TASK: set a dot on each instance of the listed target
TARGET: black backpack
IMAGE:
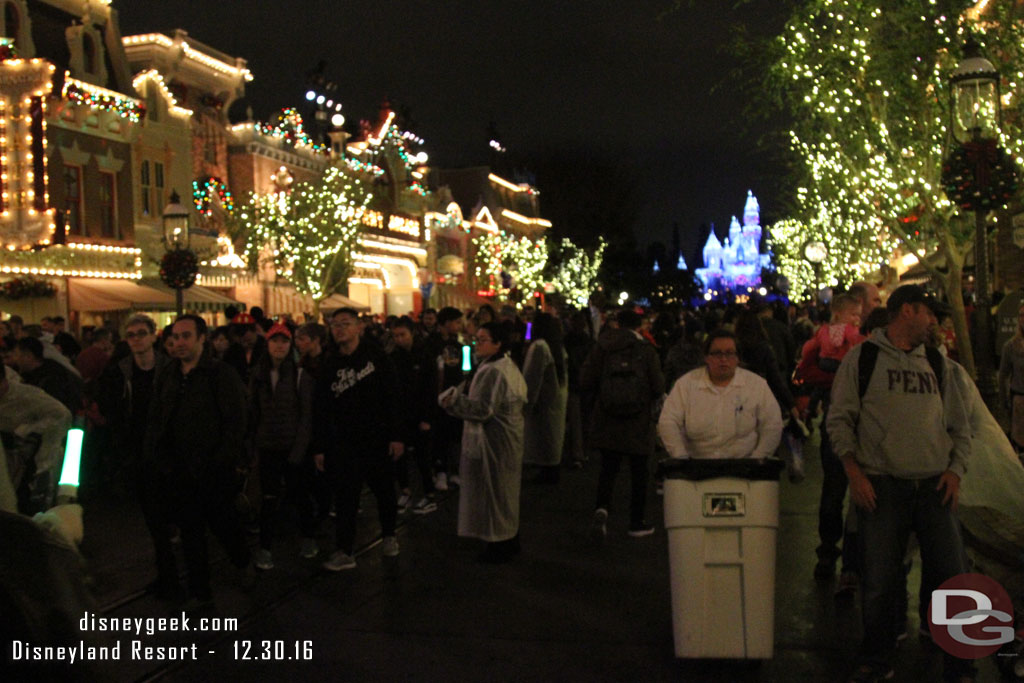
(869, 358)
(625, 389)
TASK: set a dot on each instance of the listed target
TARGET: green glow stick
(467, 360)
(72, 458)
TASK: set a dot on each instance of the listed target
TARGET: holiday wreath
(178, 268)
(979, 176)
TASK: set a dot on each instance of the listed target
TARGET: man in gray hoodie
(903, 440)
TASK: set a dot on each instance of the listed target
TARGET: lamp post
(815, 252)
(978, 178)
(179, 266)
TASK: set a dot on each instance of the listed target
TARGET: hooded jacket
(906, 425)
(633, 434)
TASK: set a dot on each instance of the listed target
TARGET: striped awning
(107, 294)
(336, 301)
(197, 299)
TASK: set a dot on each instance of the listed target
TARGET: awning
(196, 298)
(336, 301)
(109, 294)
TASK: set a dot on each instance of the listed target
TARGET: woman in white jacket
(492, 446)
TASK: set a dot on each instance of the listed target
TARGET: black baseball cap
(914, 294)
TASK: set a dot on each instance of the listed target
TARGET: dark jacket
(57, 381)
(281, 416)
(117, 403)
(235, 357)
(634, 434)
(414, 389)
(782, 343)
(759, 358)
(577, 346)
(197, 421)
(355, 406)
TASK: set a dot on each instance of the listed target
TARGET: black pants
(195, 505)
(282, 479)
(830, 508)
(610, 461)
(347, 474)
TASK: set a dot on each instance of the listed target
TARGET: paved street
(563, 611)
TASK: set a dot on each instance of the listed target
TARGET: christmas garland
(27, 288)
(202, 195)
(979, 175)
(178, 268)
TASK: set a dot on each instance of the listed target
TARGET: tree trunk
(953, 284)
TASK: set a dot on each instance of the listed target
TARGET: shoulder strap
(866, 366)
(937, 362)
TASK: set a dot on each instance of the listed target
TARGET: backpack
(625, 389)
(869, 357)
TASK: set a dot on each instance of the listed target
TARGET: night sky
(628, 84)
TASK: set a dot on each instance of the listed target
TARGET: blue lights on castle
(735, 265)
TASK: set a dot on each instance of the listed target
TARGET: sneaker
(338, 561)
(389, 546)
(640, 530)
(309, 548)
(847, 587)
(264, 560)
(424, 507)
(599, 529)
(869, 674)
(404, 501)
(454, 480)
(825, 569)
(441, 482)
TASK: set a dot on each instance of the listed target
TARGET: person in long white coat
(547, 383)
(491, 462)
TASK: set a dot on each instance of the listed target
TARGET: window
(88, 53)
(144, 184)
(73, 200)
(12, 21)
(158, 187)
(108, 206)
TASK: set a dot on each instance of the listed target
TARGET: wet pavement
(564, 610)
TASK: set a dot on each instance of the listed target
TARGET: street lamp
(815, 252)
(978, 176)
(179, 266)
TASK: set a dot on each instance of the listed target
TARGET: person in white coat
(491, 462)
(721, 410)
(547, 382)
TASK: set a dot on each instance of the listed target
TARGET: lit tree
(575, 275)
(307, 233)
(866, 83)
(521, 258)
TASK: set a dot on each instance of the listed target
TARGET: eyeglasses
(136, 335)
(729, 355)
(483, 340)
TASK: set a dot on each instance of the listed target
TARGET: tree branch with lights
(867, 85)
(307, 233)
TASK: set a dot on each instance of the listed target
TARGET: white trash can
(722, 517)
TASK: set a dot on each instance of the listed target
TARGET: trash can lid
(699, 469)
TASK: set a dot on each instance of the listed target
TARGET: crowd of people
(189, 420)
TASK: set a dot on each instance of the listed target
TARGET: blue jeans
(902, 506)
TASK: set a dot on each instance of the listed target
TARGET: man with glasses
(124, 394)
(357, 434)
(720, 410)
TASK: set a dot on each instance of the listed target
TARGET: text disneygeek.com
(136, 648)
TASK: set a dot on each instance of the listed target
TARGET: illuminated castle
(736, 264)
